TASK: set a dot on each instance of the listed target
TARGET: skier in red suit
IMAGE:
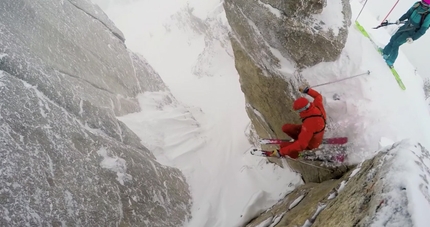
(310, 133)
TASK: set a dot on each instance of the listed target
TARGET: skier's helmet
(301, 104)
(426, 2)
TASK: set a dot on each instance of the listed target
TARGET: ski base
(333, 141)
(306, 155)
(393, 71)
(396, 75)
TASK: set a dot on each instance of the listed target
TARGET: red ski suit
(309, 134)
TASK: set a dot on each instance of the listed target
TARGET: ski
(393, 71)
(310, 156)
(334, 141)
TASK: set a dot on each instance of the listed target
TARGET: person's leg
(388, 48)
(291, 153)
(292, 130)
(400, 40)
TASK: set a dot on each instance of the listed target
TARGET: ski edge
(339, 158)
(332, 141)
(393, 71)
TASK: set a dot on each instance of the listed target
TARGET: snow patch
(332, 17)
(308, 223)
(265, 223)
(277, 219)
(115, 164)
(295, 202)
(355, 171)
(405, 199)
(271, 9)
(385, 142)
(342, 185)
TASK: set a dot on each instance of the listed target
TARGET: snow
(331, 196)
(355, 171)
(277, 219)
(417, 52)
(275, 11)
(332, 17)
(342, 186)
(308, 222)
(384, 142)
(115, 164)
(203, 132)
(406, 192)
(371, 107)
(295, 202)
(265, 223)
(216, 176)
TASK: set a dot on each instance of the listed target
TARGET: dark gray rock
(66, 159)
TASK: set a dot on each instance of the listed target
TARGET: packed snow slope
(204, 133)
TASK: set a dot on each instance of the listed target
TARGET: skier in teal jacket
(416, 25)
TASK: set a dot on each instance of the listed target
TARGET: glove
(409, 40)
(304, 89)
(398, 22)
(274, 153)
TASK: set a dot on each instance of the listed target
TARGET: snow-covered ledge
(390, 189)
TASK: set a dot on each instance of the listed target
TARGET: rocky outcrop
(65, 75)
(273, 40)
(318, 171)
(381, 191)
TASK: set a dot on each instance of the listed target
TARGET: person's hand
(304, 89)
(409, 40)
(398, 22)
(274, 153)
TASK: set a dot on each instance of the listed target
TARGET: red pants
(293, 132)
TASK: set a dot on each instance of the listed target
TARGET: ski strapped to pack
(317, 115)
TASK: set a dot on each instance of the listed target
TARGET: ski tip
(253, 151)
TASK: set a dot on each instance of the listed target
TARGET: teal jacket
(414, 15)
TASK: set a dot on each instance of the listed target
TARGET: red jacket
(312, 129)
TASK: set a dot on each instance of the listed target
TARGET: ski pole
(386, 23)
(364, 5)
(335, 81)
(390, 11)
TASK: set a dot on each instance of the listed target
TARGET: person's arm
(423, 29)
(318, 99)
(408, 13)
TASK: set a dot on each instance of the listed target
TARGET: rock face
(65, 75)
(317, 171)
(379, 192)
(273, 40)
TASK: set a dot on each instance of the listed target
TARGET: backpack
(423, 16)
(319, 115)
